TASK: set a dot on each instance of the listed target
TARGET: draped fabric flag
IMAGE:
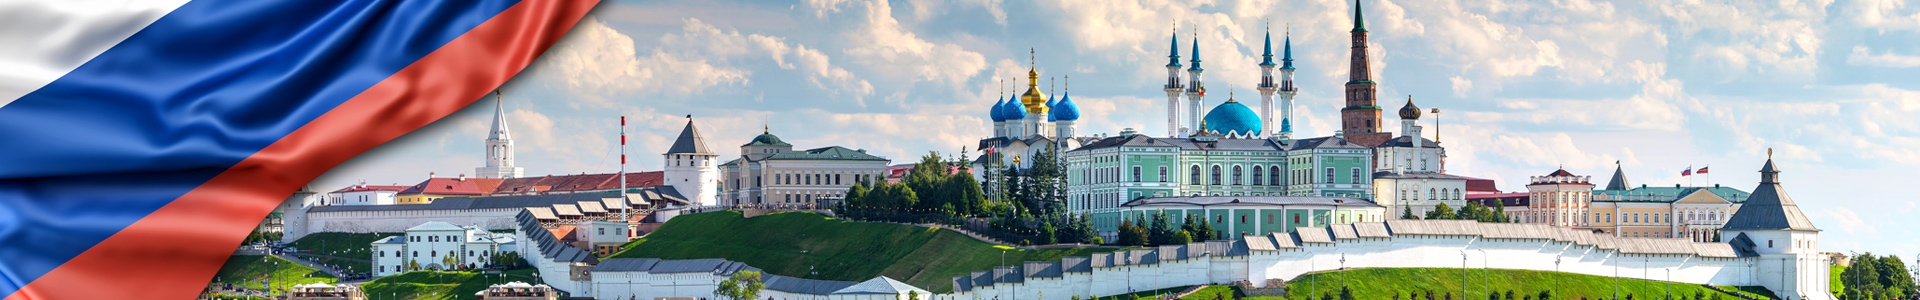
(143, 140)
(1687, 171)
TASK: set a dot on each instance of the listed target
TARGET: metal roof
(1042, 269)
(436, 226)
(1769, 208)
(592, 207)
(880, 286)
(804, 286)
(565, 210)
(690, 141)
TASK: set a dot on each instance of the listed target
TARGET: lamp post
(1463, 274)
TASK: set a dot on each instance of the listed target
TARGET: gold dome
(1035, 101)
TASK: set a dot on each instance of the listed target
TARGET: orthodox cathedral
(1027, 125)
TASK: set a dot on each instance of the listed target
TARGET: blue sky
(1524, 86)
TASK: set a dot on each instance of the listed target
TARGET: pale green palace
(1105, 174)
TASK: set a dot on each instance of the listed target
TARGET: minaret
(1267, 87)
(1287, 90)
(1361, 115)
(499, 146)
(1195, 92)
(1174, 88)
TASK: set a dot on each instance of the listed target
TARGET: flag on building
(1687, 171)
(147, 138)
(1703, 170)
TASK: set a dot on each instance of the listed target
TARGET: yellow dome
(1035, 101)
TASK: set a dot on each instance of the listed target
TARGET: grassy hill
(791, 243)
(248, 270)
(438, 285)
(1385, 283)
(354, 245)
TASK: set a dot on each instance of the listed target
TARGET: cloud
(882, 44)
(1849, 221)
(596, 62)
(1862, 57)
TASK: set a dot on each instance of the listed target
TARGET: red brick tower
(1360, 120)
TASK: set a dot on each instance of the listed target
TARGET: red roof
(1561, 172)
(579, 182)
(454, 186)
(362, 188)
(1480, 185)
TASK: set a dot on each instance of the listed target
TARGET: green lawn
(248, 270)
(1386, 283)
(791, 243)
(438, 285)
(350, 245)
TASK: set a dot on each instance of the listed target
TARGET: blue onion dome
(1286, 125)
(1051, 102)
(994, 112)
(1012, 110)
(1233, 118)
(1065, 110)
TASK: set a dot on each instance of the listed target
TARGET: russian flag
(140, 141)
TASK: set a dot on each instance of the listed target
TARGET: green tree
(1545, 295)
(743, 285)
(1182, 238)
(1441, 212)
(1406, 213)
(1346, 293)
(1047, 232)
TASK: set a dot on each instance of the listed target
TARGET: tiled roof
(578, 183)
(651, 194)
(454, 186)
(826, 153)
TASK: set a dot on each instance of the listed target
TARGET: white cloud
(1861, 56)
(595, 62)
(1849, 221)
(882, 44)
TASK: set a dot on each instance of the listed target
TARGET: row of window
(1432, 194)
(431, 238)
(431, 253)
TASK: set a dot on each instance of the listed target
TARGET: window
(603, 231)
(382, 253)
(1256, 176)
(1275, 171)
(435, 253)
(1269, 218)
(416, 254)
(1236, 175)
(1163, 174)
(1194, 176)
(1329, 176)
(1243, 220)
(1136, 173)
(1356, 176)
(1216, 175)
(1430, 194)
(1296, 219)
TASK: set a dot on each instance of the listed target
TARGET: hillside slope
(793, 243)
(1384, 283)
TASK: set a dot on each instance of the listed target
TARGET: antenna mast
(626, 207)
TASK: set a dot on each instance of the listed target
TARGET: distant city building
(769, 171)
(1559, 199)
(435, 188)
(499, 162)
(429, 246)
(603, 237)
(1565, 199)
(1025, 126)
(1113, 171)
(1410, 172)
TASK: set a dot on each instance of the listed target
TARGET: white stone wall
(304, 222)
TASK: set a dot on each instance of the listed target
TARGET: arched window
(1275, 172)
(1194, 177)
(1236, 175)
(1430, 193)
(1257, 180)
(1216, 175)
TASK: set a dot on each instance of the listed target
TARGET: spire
(1286, 59)
(1230, 93)
(1196, 51)
(1173, 55)
(1267, 55)
(1619, 181)
(1359, 24)
(499, 119)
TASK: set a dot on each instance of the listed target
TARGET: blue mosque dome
(1233, 118)
(1013, 110)
(1065, 110)
(994, 112)
(1050, 107)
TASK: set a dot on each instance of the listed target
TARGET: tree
(1182, 238)
(1441, 212)
(913, 295)
(1510, 295)
(1047, 232)
(1406, 213)
(1346, 293)
(744, 285)
(1545, 295)
(1160, 232)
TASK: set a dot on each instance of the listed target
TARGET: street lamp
(1463, 273)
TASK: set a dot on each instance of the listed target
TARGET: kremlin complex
(1283, 202)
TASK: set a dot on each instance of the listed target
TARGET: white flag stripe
(40, 41)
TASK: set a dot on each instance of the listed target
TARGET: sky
(1524, 87)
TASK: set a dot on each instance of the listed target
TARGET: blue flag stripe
(195, 92)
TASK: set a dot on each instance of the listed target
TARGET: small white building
(429, 245)
(363, 194)
(603, 237)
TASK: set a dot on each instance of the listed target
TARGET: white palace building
(1767, 243)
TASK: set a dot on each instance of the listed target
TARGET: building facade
(1233, 217)
(1110, 172)
(692, 169)
(363, 194)
(769, 171)
(438, 246)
